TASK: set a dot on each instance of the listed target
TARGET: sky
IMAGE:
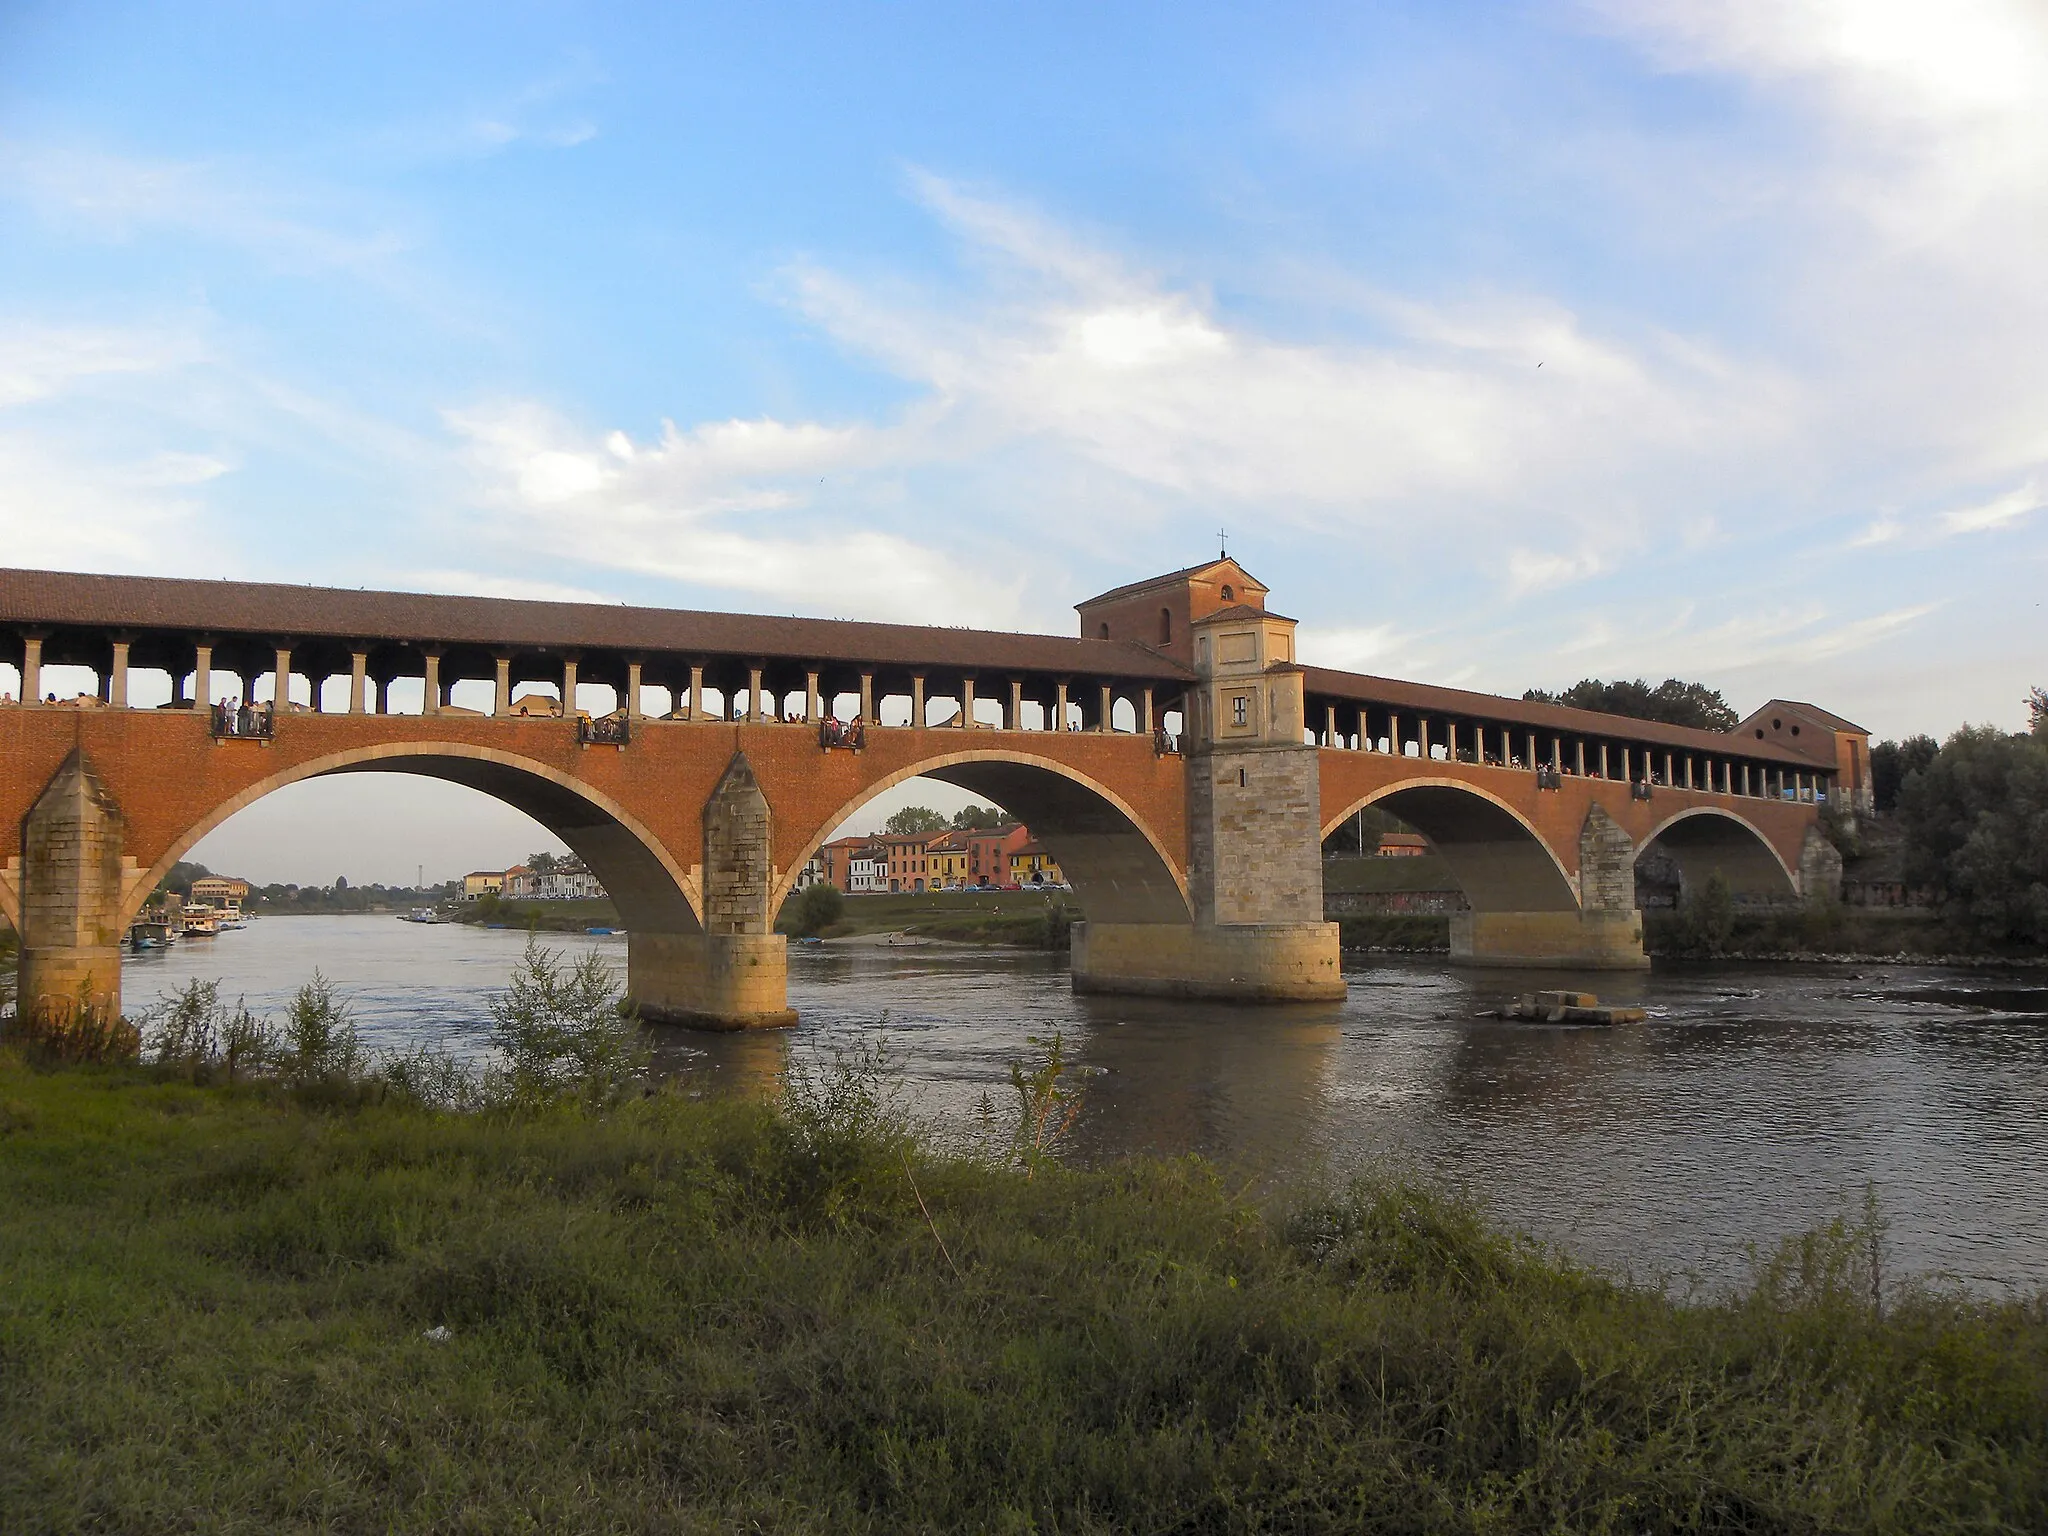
(1507, 344)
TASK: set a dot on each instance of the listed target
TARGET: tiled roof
(1813, 712)
(64, 598)
(1423, 698)
(1171, 578)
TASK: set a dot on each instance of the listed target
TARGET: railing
(254, 722)
(606, 731)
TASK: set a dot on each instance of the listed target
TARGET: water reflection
(1754, 1103)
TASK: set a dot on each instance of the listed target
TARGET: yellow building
(222, 891)
(1032, 865)
(947, 862)
(483, 882)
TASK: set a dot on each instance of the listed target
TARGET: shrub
(321, 1049)
(1707, 917)
(818, 907)
(76, 1031)
(563, 1034)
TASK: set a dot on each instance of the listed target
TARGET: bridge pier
(1568, 940)
(1603, 933)
(735, 973)
(1255, 869)
(72, 878)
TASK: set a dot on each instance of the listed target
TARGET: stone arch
(652, 891)
(1706, 838)
(1120, 868)
(1500, 861)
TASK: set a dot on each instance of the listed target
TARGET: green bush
(562, 1034)
(818, 907)
(1976, 824)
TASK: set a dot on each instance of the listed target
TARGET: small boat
(1564, 1008)
(422, 915)
(601, 933)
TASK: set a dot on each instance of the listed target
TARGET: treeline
(301, 900)
(1973, 814)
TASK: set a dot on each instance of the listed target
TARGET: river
(1757, 1101)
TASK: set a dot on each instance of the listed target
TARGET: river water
(1757, 1101)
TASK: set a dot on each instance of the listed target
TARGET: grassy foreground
(220, 1310)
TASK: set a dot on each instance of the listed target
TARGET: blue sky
(1512, 343)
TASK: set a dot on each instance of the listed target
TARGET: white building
(867, 871)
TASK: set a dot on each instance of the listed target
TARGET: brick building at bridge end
(1177, 759)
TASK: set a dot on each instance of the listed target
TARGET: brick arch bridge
(1183, 773)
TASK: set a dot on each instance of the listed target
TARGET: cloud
(1879, 531)
(1999, 512)
(1530, 571)
(714, 506)
(39, 361)
(120, 197)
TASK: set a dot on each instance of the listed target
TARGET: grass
(539, 916)
(1875, 932)
(223, 1309)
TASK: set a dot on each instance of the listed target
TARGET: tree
(818, 908)
(2037, 710)
(542, 863)
(970, 818)
(1672, 701)
(1976, 823)
(341, 882)
(1892, 763)
(913, 819)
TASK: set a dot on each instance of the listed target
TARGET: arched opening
(645, 883)
(1166, 626)
(1496, 858)
(1118, 868)
(1683, 853)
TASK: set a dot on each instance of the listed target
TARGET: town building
(520, 884)
(1031, 865)
(817, 871)
(223, 891)
(483, 882)
(1825, 739)
(907, 860)
(1402, 845)
(946, 862)
(988, 853)
(867, 870)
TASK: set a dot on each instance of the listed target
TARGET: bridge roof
(1424, 698)
(72, 600)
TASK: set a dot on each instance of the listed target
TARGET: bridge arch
(1121, 868)
(1703, 839)
(652, 891)
(1500, 861)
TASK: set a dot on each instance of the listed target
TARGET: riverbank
(1018, 919)
(1828, 936)
(220, 1308)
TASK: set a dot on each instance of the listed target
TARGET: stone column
(754, 694)
(966, 720)
(358, 678)
(812, 711)
(1532, 749)
(916, 703)
(501, 695)
(1688, 771)
(1579, 746)
(31, 669)
(1364, 729)
(383, 695)
(71, 889)
(1103, 721)
(1060, 710)
(633, 690)
(1451, 741)
(202, 676)
(281, 683)
(430, 695)
(569, 687)
(1669, 777)
(1603, 759)
(1329, 725)
(117, 676)
(1393, 733)
(1145, 712)
(1013, 711)
(867, 699)
(1422, 736)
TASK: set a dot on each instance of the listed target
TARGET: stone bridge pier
(1601, 931)
(73, 880)
(1255, 877)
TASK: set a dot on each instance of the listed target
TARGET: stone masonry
(71, 890)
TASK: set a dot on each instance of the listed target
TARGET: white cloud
(38, 361)
(1879, 531)
(714, 506)
(1531, 571)
(1999, 512)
